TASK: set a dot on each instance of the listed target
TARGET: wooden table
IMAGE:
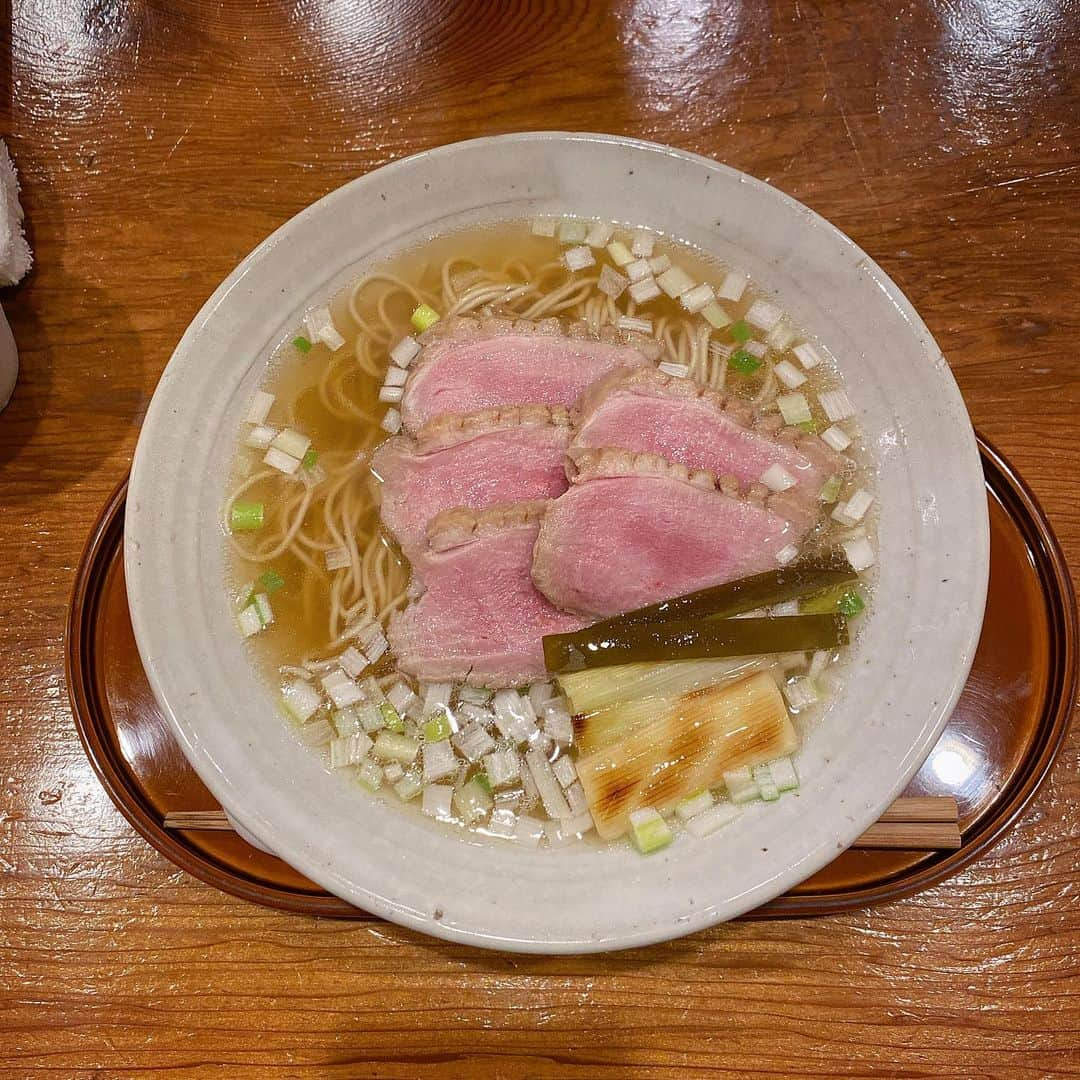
(158, 144)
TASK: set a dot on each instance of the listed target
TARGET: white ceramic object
(911, 661)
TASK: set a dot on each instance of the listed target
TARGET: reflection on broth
(574, 422)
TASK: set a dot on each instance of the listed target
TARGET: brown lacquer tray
(995, 752)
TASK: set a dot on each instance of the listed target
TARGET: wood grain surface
(158, 143)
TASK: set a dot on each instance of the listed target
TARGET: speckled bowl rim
(421, 875)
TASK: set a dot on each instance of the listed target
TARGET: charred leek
(587, 691)
(798, 579)
(688, 747)
(595, 647)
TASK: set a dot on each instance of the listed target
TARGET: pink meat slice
(648, 412)
(477, 365)
(498, 456)
(480, 618)
(634, 529)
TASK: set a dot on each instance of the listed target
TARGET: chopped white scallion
(528, 831)
(292, 443)
(502, 823)
(400, 695)
(715, 316)
(705, 824)
(546, 785)
(820, 661)
(733, 286)
(859, 553)
(391, 422)
(317, 733)
(502, 767)
(370, 775)
(558, 724)
(337, 558)
(642, 242)
(320, 327)
(780, 336)
(572, 231)
(259, 409)
(392, 746)
(474, 695)
(437, 697)
(788, 553)
(408, 787)
(620, 253)
(659, 263)
(540, 694)
(755, 348)
(800, 692)
(698, 298)
(777, 478)
(342, 690)
(300, 699)
(405, 351)
(611, 282)
(248, 620)
(261, 604)
(600, 234)
(544, 226)
(439, 760)
(576, 798)
(837, 405)
(372, 691)
(789, 374)
(649, 830)
(371, 717)
(395, 376)
(393, 772)
(675, 281)
(475, 713)
(630, 322)
(766, 785)
(564, 771)
(807, 355)
(436, 802)
(783, 774)
(346, 721)
(576, 825)
(678, 371)
(763, 315)
(514, 716)
(473, 742)
(391, 395)
(638, 270)
(353, 662)
(794, 408)
(694, 805)
(641, 292)
(578, 258)
(278, 459)
(260, 437)
(859, 503)
(350, 750)
(740, 784)
(836, 437)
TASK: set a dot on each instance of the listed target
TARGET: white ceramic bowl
(912, 657)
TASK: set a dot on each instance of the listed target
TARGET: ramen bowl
(909, 662)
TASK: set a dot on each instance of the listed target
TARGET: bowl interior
(909, 663)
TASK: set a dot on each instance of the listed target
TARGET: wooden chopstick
(927, 823)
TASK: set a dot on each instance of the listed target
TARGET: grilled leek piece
(689, 746)
(595, 688)
(593, 647)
